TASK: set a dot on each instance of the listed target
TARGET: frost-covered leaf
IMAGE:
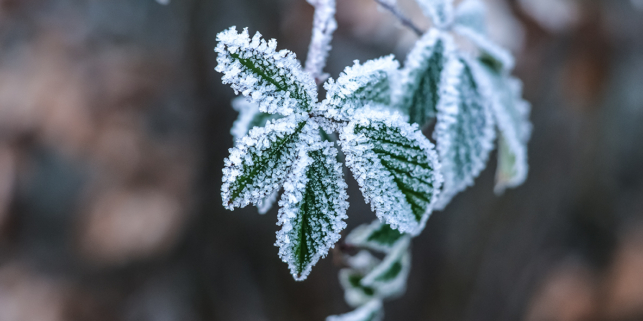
(470, 22)
(261, 160)
(440, 11)
(512, 116)
(500, 57)
(370, 278)
(395, 165)
(359, 85)
(375, 236)
(272, 79)
(355, 293)
(313, 207)
(471, 14)
(420, 84)
(249, 117)
(371, 311)
(464, 131)
(388, 278)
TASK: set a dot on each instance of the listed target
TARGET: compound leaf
(395, 165)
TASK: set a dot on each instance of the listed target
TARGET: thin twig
(324, 25)
(400, 16)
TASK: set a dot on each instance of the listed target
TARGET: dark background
(114, 127)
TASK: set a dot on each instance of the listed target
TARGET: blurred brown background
(114, 127)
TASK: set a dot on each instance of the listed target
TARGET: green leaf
(388, 278)
(313, 207)
(421, 82)
(274, 80)
(261, 160)
(395, 165)
(354, 293)
(375, 236)
(512, 116)
(464, 132)
(359, 85)
(371, 311)
(250, 117)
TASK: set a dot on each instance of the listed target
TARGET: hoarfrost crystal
(395, 165)
(272, 79)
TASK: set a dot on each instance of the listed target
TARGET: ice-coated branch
(324, 24)
(404, 20)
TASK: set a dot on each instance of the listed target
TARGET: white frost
(464, 131)
(280, 87)
(324, 25)
(269, 176)
(313, 205)
(377, 183)
(359, 85)
(512, 117)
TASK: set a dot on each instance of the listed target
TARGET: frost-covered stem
(400, 16)
(324, 24)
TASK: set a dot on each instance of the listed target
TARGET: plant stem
(400, 16)
(324, 25)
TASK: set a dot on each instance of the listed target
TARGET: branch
(324, 25)
(391, 7)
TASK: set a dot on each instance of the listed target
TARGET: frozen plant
(374, 112)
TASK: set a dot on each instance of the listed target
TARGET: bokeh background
(114, 127)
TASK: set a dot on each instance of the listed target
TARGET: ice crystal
(371, 311)
(359, 85)
(266, 203)
(260, 161)
(464, 131)
(249, 117)
(395, 165)
(324, 25)
(313, 207)
(272, 79)
(421, 86)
